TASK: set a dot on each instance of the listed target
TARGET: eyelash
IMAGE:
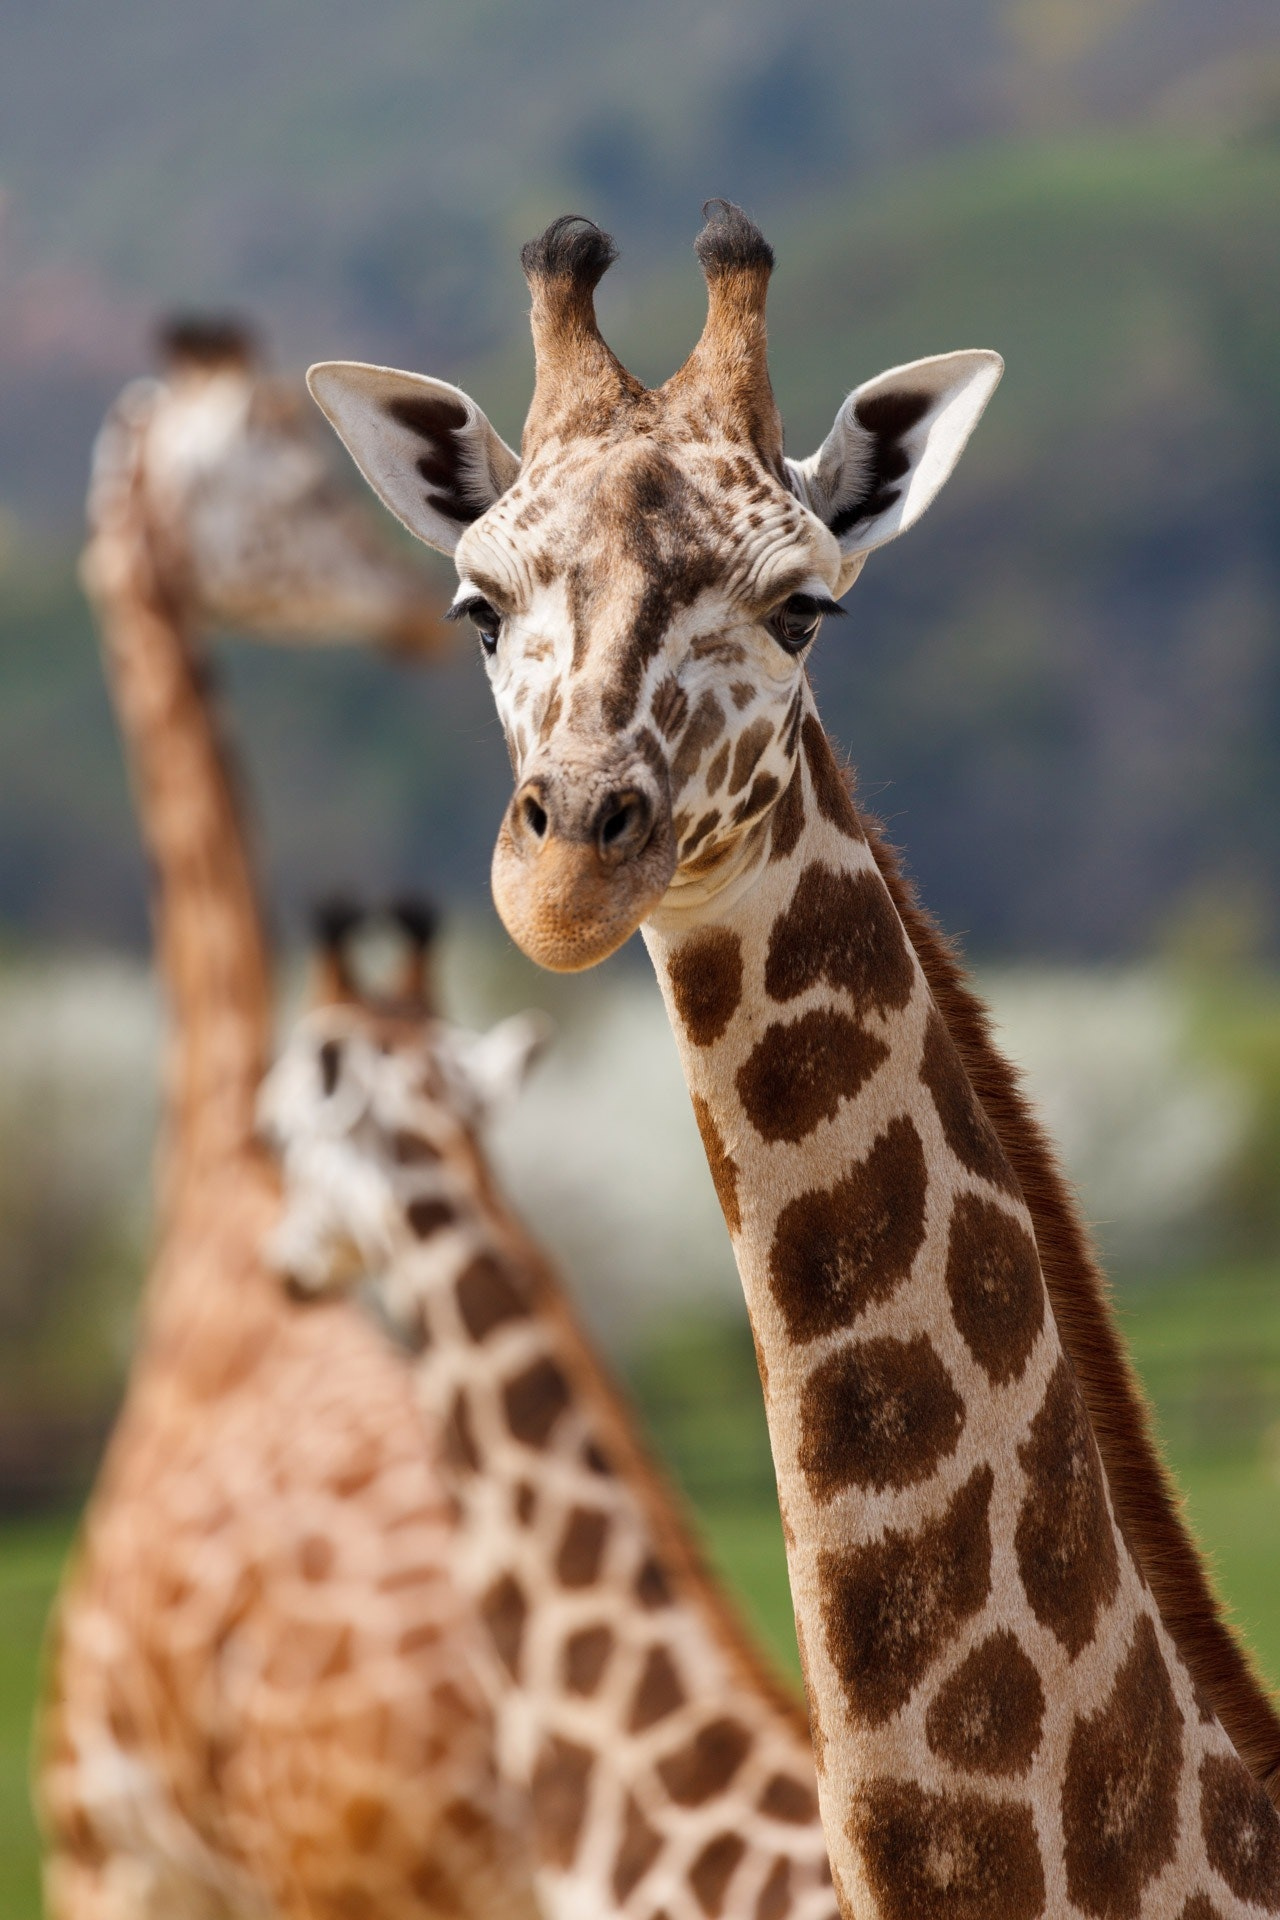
(806, 611)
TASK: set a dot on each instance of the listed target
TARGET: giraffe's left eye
(795, 622)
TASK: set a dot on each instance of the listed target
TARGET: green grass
(31, 1555)
(1208, 1348)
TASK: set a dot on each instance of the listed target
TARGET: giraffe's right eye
(484, 617)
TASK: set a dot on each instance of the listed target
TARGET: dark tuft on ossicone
(334, 920)
(572, 248)
(417, 917)
(205, 340)
(730, 240)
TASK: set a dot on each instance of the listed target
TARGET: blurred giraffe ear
(425, 447)
(892, 446)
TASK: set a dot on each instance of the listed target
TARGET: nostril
(616, 823)
(535, 817)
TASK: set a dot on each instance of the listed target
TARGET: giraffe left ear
(892, 446)
(425, 447)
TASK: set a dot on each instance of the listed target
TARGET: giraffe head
(212, 477)
(376, 1107)
(647, 576)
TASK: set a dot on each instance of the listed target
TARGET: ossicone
(572, 249)
(731, 242)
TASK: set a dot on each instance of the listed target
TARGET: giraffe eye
(795, 622)
(484, 617)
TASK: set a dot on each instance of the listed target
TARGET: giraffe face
(646, 576)
(357, 1107)
(645, 610)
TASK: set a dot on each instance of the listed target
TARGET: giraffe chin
(567, 912)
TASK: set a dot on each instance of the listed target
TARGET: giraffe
(664, 1770)
(261, 1698)
(1023, 1696)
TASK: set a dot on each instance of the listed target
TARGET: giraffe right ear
(425, 447)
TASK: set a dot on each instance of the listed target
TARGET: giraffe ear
(425, 447)
(496, 1064)
(892, 446)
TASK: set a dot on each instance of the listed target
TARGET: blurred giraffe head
(210, 487)
(647, 575)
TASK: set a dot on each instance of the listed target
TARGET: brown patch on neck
(1146, 1505)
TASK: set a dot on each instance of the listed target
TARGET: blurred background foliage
(1063, 692)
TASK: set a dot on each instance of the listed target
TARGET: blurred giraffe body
(261, 1697)
(667, 1775)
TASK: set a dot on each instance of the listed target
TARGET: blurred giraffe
(260, 1699)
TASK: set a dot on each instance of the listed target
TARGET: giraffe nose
(619, 825)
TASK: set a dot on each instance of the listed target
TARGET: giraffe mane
(1148, 1509)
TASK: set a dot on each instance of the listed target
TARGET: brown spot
(534, 1401)
(414, 1640)
(639, 1849)
(487, 1296)
(993, 1278)
(967, 1130)
(659, 1691)
(412, 1149)
(458, 1442)
(840, 929)
(724, 1169)
(526, 1501)
(596, 1460)
(742, 693)
(829, 788)
(836, 1250)
(1241, 1833)
(798, 1072)
(429, 1879)
(706, 982)
(669, 707)
(581, 1547)
(561, 1778)
(1120, 1790)
(504, 1610)
(947, 1856)
(714, 1868)
(987, 1717)
(707, 824)
(704, 728)
(363, 1819)
(652, 1589)
(1065, 1545)
(718, 769)
(1199, 1907)
(752, 742)
(315, 1556)
(429, 1216)
(586, 1654)
(893, 1604)
(880, 1413)
(775, 1895)
(550, 715)
(705, 1764)
(764, 791)
(788, 818)
(789, 1799)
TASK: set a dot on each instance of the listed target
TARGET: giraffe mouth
(573, 882)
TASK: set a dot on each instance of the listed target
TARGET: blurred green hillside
(1063, 690)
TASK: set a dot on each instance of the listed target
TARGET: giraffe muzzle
(579, 864)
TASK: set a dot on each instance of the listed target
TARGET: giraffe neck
(667, 1772)
(1000, 1713)
(212, 953)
